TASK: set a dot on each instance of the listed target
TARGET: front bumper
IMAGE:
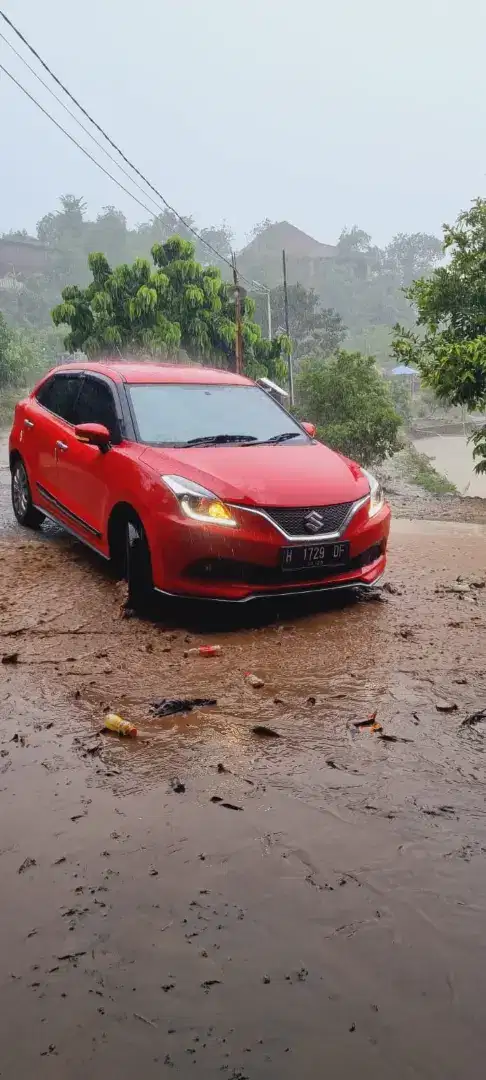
(217, 563)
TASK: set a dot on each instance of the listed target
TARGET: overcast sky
(324, 113)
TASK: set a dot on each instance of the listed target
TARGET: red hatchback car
(195, 481)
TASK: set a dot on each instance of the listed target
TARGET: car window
(59, 395)
(176, 414)
(96, 405)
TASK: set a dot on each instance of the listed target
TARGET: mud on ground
(325, 915)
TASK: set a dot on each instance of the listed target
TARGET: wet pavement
(312, 903)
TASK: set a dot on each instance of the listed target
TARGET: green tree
(24, 354)
(5, 340)
(449, 347)
(176, 304)
(314, 329)
(350, 401)
(411, 255)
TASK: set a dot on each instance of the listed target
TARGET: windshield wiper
(213, 440)
(284, 435)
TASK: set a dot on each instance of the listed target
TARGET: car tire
(22, 505)
(141, 595)
(131, 560)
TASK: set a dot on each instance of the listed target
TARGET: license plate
(311, 556)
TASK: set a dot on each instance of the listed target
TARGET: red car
(195, 481)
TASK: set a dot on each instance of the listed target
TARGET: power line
(73, 140)
(78, 121)
(113, 145)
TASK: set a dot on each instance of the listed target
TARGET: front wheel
(141, 594)
(22, 504)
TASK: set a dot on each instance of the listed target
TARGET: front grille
(232, 570)
(293, 520)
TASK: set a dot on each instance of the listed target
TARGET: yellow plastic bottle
(112, 722)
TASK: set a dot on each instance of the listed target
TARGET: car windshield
(206, 414)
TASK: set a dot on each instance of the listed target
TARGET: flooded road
(312, 903)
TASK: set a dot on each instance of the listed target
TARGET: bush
(351, 403)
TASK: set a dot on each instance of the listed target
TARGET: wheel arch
(121, 513)
(13, 457)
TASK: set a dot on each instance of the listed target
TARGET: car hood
(304, 475)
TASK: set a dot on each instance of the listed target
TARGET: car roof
(132, 372)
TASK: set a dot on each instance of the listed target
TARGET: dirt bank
(332, 924)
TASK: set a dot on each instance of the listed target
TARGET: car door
(83, 471)
(47, 422)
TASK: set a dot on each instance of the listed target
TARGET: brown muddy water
(452, 456)
(326, 915)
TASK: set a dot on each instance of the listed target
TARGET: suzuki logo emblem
(313, 521)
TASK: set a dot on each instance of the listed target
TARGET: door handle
(29, 423)
(61, 446)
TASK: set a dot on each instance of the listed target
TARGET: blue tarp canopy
(403, 370)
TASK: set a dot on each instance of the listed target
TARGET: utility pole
(239, 339)
(287, 331)
(269, 315)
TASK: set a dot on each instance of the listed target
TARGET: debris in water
(265, 731)
(474, 718)
(254, 680)
(231, 806)
(392, 589)
(73, 957)
(169, 706)
(26, 865)
(113, 722)
(392, 738)
(209, 983)
(446, 706)
(91, 749)
(176, 785)
(144, 1019)
(370, 722)
(204, 650)
(371, 594)
(216, 798)
(460, 588)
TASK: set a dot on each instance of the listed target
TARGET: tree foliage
(350, 401)
(25, 354)
(162, 308)
(360, 281)
(314, 330)
(449, 346)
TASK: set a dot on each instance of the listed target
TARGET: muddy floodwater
(205, 900)
(452, 456)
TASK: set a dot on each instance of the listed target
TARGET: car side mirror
(94, 434)
(309, 428)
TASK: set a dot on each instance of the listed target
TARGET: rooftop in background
(132, 372)
(282, 235)
(401, 369)
(19, 256)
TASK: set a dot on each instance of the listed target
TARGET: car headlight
(198, 503)
(377, 498)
